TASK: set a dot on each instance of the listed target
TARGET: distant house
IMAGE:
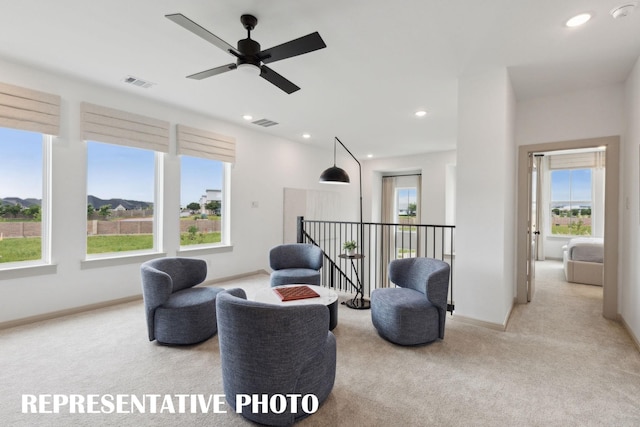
(210, 196)
(120, 208)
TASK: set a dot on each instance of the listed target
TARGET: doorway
(525, 280)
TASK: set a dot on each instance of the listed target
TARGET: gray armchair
(414, 312)
(176, 311)
(295, 263)
(271, 349)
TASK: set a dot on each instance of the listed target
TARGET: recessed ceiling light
(421, 113)
(247, 117)
(306, 135)
(578, 20)
(369, 155)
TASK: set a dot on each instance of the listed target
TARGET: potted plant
(350, 247)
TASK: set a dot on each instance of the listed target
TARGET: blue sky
(135, 179)
(113, 171)
(198, 175)
(406, 196)
(20, 164)
(571, 185)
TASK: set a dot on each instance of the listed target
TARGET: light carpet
(559, 363)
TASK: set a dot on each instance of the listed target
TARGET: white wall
(485, 203)
(432, 166)
(629, 286)
(575, 115)
(257, 175)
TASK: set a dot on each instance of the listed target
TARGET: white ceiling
(384, 59)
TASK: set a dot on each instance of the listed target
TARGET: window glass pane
(21, 176)
(120, 198)
(201, 198)
(406, 202)
(571, 202)
(406, 208)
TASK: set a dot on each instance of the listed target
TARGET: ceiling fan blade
(196, 29)
(212, 72)
(272, 77)
(296, 47)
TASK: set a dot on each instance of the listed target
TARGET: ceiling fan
(248, 54)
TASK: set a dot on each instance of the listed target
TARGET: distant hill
(23, 202)
(96, 202)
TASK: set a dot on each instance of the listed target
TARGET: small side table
(327, 297)
(355, 302)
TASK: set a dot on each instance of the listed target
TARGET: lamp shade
(334, 175)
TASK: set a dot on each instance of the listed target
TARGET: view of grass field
(22, 249)
(28, 248)
(573, 230)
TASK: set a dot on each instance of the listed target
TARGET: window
(120, 198)
(124, 170)
(205, 169)
(201, 201)
(28, 118)
(23, 196)
(571, 202)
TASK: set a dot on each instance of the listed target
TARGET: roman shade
(577, 160)
(201, 143)
(29, 110)
(112, 126)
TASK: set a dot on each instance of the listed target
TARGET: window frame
(158, 203)
(46, 144)
(225, 226)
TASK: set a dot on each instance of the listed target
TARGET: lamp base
(358, 304)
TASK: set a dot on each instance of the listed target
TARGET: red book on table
(291, 293)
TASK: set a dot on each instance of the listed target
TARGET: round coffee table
(327, 297)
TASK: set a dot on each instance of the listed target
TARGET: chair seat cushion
(187, 317)
(289, 276)
(192, 297)
(404, 316)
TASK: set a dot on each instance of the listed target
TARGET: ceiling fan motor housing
(249, 49)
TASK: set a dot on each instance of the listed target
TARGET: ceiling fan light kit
(248, 55)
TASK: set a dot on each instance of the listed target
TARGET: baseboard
(482, 323)
(234, 277)
(89, 307)
(490, 325)
(634, 338)
(67, 312)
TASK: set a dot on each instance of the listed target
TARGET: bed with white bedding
(583, 260)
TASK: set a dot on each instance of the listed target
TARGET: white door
(532, 232)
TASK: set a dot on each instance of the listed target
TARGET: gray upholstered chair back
(181, 273)
(426, 275)
(271, 349)
(295, 255)
(176, 311)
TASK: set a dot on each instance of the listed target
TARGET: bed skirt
(588, 273)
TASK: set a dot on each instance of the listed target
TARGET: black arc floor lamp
(336, 175)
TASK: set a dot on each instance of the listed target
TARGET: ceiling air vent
(138, 82)
(265, 123)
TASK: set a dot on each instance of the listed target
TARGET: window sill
(112, 260)
(20, 271)
(204, 250)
